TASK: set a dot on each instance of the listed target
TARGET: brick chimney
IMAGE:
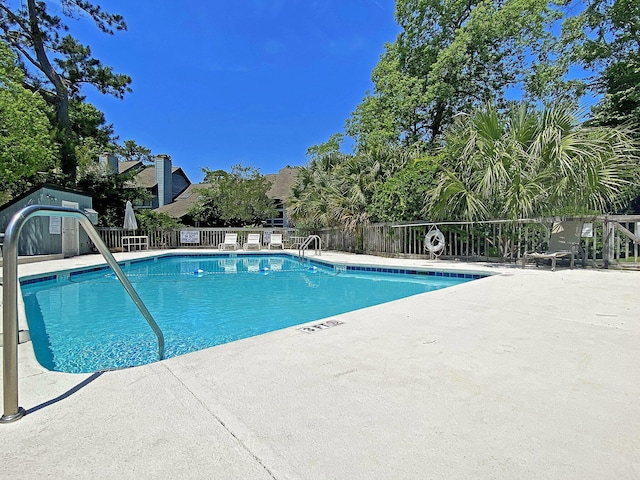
(163, 177)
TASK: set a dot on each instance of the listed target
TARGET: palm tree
(529, 163)
(337, 189)
(315, 192)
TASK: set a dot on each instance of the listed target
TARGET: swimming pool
(83, 321)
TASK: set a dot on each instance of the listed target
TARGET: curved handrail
(12, 411)
(307, 242)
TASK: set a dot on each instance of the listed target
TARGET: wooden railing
(170, 238)
(607, 240)
(612, 239)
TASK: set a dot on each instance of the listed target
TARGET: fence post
(608, 243)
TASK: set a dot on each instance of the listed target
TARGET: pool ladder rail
(316, 240)
(12, 411)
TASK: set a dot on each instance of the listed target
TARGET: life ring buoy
(434, 241)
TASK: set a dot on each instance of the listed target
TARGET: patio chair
(563, 242)
(276, 241)
(230, 242)
(253, 242)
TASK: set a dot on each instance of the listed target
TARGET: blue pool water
(84, 321)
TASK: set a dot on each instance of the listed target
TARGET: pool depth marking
(321, 326)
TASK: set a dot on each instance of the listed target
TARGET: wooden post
(607, 243)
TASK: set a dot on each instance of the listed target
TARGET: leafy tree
(89, 122)
(531, 163)
(451, 55)
(131, 151)
(56, 65)
(402, 196)
(392, 115)
(25, 144)
(233, 199)
(87, 151)
(93, 135)
(330, 146)
(620, 105)
(605, 38)
(110, 193)
(150, 220)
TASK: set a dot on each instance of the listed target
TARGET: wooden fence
(186, 237)
(606, 240)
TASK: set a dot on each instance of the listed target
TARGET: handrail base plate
(12, 418)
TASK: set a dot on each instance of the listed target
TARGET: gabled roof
(128, 165)
(49, 186)
(183, 202)
(282, 182)
(146, 177)
(280, 189)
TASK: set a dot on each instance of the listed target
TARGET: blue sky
(256, 82)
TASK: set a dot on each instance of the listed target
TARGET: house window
(278, 219)
(138, 203)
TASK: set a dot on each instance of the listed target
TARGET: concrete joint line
(224, 425)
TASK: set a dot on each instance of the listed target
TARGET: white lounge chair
(230, 242)
(563, 242)
(253, 242)
(276, 241)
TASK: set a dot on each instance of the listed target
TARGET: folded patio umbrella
(130, 222)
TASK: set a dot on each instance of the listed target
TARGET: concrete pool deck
(526, 374)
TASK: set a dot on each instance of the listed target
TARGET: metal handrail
(307, 242)
(12, 411)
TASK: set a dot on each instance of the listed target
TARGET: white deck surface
(530, 374)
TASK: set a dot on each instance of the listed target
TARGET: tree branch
(27, 55)
(43, 60)
(48, 96)
(15, 18)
